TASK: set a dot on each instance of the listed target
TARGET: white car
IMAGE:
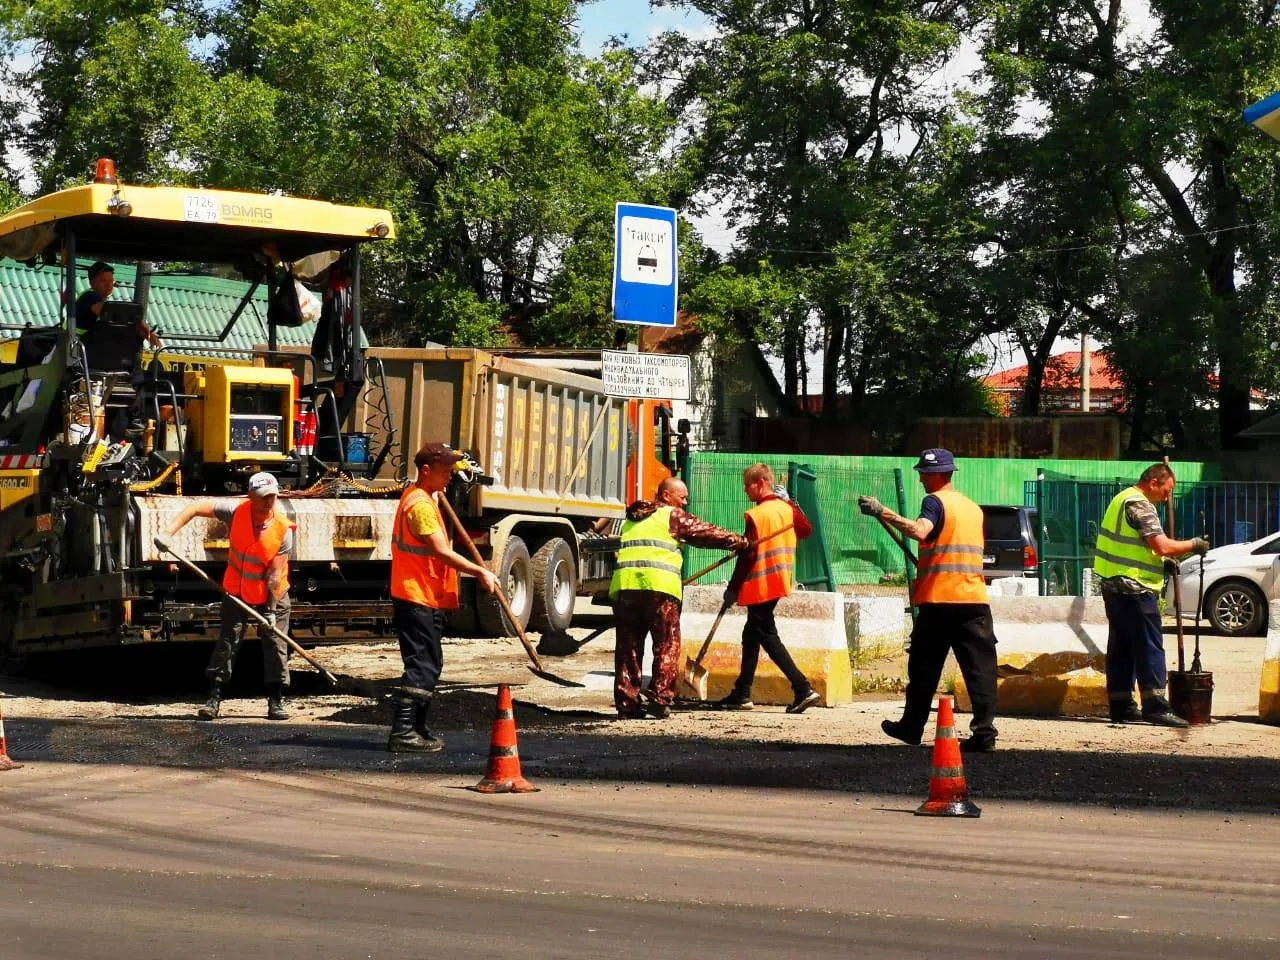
(1239, 581)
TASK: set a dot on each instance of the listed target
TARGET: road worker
(261, 540)
(1129, 560)
(762, 577)
(424, 587)
(646, 592)
(951, 594)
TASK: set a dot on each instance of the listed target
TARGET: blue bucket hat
(936, 460)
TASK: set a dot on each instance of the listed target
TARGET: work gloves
(730, 596)
(871, 506)
(1199, 546)
(162, 543)
(780, 492)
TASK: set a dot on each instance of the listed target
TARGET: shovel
(535, 666)
(263, 621)
(692, 681)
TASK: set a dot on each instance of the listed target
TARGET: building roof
(1061, 372)
(177, 305)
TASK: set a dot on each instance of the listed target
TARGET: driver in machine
(102, 281)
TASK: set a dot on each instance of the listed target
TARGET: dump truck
(559, 455)
(83, 493)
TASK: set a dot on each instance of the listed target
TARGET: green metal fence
(1070, 510)
(857, 548)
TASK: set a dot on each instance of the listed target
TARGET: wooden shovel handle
(443, 500)
(706, 644)
(730, 556)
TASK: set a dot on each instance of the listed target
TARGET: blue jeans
(1135, 648)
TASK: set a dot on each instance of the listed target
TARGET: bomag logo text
(236, 211)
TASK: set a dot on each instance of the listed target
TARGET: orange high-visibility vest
(417, 574)
(950, 568)
(250, 555)
(770, 576)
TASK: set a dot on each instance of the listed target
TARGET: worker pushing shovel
(255, 586)
(647, 591)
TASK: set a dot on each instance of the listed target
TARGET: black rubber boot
(404, 738)
(275, 702)
(420, 726)
(211, 706)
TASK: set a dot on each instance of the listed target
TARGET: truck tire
(515, 577)
(555, 586)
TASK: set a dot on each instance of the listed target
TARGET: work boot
(895, 729)
(420, 725)
(659, 711)
(735, 701)
(211, 706)
(404, 738)
(275, 703)
(1164, 718)
(1125, 712)
(804, 701)
(978, 745)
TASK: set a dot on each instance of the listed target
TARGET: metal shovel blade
(691, 684)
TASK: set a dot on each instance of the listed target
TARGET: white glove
(780, 492)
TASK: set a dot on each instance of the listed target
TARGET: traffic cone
(948, 793)
(5, 762)
(504, 759)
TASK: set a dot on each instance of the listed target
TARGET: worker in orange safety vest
(951, 595)
(762, 577)
(424, 588)
(260, 539)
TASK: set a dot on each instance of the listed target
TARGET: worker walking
(646, 592)
(424, 587)
(261, 540)
(951, 594)
(1129, 559)
(762, 577)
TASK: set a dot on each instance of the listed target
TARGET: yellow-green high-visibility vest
(650, 556)
(1121, 551)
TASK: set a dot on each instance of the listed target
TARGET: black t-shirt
(86, 319)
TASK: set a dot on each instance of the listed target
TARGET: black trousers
(942, 627)
(420, 631)
(761, 632)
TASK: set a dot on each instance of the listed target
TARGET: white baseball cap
(263, 484)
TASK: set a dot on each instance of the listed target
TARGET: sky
(603, 19)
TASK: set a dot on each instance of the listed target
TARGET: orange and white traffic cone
(5, 762)
(948, 793)
(504, 759)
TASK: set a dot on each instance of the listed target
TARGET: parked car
(1012, 536)
(1239, 581)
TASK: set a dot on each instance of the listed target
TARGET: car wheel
(1236, 609)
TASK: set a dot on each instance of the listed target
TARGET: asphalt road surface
(126, 860)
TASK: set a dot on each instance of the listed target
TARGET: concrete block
(813, 626)
(871, 620)
(1049, 625)
(1046, 685)
(1269, 683)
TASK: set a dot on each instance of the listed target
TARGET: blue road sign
(645, 269)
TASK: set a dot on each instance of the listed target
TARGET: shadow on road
(559, 747)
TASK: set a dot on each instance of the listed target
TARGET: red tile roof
(1061, 372)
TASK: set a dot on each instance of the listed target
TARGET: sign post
(645, 265)
(646, 376)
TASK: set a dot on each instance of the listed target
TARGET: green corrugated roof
(177, 305)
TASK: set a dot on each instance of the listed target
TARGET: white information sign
(199, 208)
(646, 376)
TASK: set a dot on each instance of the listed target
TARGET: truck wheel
(555, 587)
(516, 580)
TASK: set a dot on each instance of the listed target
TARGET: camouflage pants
(641, 612)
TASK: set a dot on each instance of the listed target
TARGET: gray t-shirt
(225, 508)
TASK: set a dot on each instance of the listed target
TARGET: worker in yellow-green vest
(1129, 560)
(646, 594)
